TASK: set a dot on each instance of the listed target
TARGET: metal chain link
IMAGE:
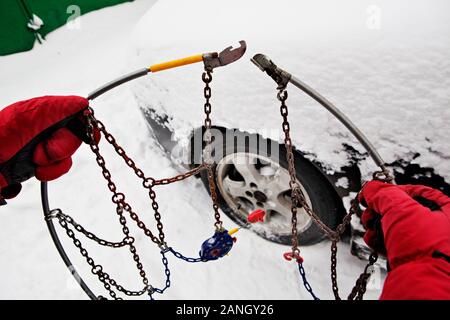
(334, 283)
(360, 287)
(208, 160)
(57, 213)
(299, 201)
(65, 219)
(182, 176)
(118, 198)
(165, 262)
(148, 183)
(96, 269)
(295, 188)
(305, 281)
(183, 257)
(340, 229)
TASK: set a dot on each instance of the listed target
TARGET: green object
(15, 36)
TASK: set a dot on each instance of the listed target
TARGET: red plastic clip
(256, 216)
(289, 256)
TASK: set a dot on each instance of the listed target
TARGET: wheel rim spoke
(263, 175)
(235, 188)
(245, 165)
(279, 181)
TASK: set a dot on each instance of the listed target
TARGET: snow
(342, 182)
(387, 86)
(390, 78)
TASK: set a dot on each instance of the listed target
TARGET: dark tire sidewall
(320, 191)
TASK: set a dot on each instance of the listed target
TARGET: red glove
(415, 222)
(38, 138)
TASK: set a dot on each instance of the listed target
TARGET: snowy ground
(77, 61)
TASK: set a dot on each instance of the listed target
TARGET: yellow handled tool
(210, 60)
(175, 63)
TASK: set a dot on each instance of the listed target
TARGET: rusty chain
(360, 287)
(147, 183)
(97, 269)
(295, 188)
(95, 126)
(181, 177)
(208, 160)
(57, 213)
(122, 205)
(299, 201)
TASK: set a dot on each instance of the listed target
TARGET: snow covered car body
(383, 65)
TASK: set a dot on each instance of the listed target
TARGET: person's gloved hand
(38, 138)
(414, 221)
(411, 225)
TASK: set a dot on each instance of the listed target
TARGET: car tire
(321, 194)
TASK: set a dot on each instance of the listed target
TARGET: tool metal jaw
(228, 55)
(211, 60)
(280, 76)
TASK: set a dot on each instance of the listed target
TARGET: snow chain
(208, 160)
(119, 200)
(299, 201)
